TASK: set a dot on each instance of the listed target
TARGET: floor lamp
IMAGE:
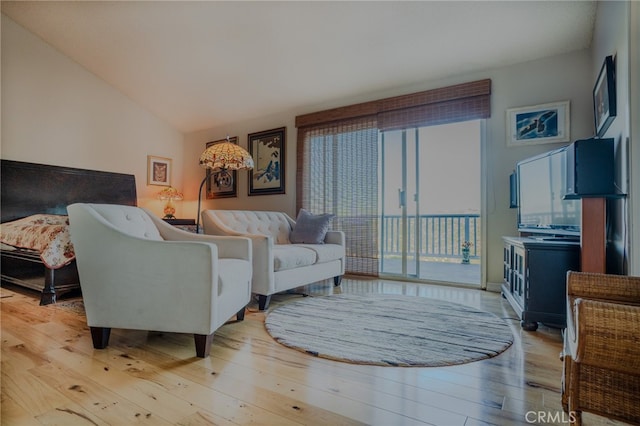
(222, 157)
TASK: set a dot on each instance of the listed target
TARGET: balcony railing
(435, 236)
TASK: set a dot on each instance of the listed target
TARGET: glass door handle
(402, 198)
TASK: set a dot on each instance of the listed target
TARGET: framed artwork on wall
(268, 151)
(158, 171)
(604, 97)
(219, 185)
(538, 124)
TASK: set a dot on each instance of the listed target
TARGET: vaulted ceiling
(202, 64)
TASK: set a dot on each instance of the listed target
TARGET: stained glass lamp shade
(226, 156)
(223, 156)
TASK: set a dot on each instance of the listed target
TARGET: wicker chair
(602, 347)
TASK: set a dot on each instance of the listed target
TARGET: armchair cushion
(325, 252)
(310, 228)
(289, 256)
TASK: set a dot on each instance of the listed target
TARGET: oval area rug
(389, 330)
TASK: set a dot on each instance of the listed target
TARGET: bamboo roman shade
(338, 173)
(337, 157)
(461, 102)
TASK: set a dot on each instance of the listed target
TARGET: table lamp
(170, 193)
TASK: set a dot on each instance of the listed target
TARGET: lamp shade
(226, 156)
(170, 193)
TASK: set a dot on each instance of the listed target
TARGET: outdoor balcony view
(430, 203)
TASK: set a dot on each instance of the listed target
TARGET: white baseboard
(495, 287)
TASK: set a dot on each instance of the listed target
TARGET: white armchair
(279, 264)
(138, 272)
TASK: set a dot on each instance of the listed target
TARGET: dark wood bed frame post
(48, 295)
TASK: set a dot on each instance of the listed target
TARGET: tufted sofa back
(275, 224)
(131, 220)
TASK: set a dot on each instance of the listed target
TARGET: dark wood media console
(535, 272)
(30, 188)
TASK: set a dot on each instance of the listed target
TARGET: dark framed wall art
(219, 185)
(268, 151)
(604, 97)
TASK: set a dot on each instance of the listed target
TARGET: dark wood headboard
(29, 188)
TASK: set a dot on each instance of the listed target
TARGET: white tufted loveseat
(279, 265)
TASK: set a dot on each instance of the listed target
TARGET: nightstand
(184, 224)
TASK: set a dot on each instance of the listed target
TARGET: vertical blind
(337, 157)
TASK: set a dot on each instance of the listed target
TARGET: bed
(31, 192)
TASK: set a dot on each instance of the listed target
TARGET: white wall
(634, 150)
(56, 112)
(565, 77)
(611, 37)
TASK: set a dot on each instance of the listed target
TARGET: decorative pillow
(310, 228)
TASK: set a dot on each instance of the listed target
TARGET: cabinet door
(506, 267)
(548, 268)
(518, 274)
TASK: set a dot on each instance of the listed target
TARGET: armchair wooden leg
(566, 375)
(337, 280)
(100, 337)
(240, 314)
(203, 344)
(263, 301)
(577, 416)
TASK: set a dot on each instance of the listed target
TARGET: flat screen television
(542, 209)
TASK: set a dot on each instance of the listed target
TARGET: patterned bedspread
(44, 233)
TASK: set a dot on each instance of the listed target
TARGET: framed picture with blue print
(268, 151)
(538, 124)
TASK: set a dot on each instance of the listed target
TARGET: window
(341, 177)
(337, 160)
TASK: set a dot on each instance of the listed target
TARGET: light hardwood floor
(51, 375)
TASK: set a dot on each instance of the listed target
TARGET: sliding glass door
(430, 203)
(400, 202)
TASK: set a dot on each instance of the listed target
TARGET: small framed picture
(268, 151)
(604, 97)
(538, 124)
(222, 184)
(158, 171)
